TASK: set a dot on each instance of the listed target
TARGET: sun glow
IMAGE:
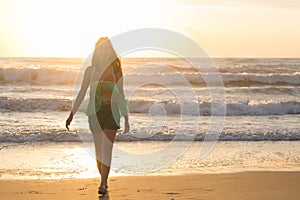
(71, 28)
(224, 28)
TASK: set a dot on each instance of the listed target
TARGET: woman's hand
(68, 121)
(126, 124)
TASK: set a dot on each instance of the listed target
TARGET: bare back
(106, 75)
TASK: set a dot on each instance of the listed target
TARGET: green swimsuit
(108, 115)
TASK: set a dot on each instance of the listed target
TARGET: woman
(106, 106)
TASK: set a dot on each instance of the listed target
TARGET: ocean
(260, 128)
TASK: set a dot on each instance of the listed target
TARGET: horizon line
(149, 57)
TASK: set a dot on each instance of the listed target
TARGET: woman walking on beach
(106, 106)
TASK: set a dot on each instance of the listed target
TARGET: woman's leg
(98, 148)
(97, 136)
(106, 147)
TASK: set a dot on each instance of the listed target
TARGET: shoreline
(158, 174)
(55, 161)
(241, 185)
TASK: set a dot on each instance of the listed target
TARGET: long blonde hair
(104, 55)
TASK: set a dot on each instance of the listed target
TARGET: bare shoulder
(88, 70)
(87, 74)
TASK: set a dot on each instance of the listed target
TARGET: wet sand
(245, 185)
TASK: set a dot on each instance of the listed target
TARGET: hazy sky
(224, 28)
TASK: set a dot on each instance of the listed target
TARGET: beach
(233, 170)
(231, 186)
(181, 146)
(204, 98)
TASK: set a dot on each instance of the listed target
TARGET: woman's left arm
(81, 94)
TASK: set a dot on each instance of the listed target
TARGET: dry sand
(246, 185)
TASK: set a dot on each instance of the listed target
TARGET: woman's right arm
(84, 86)
(119, 80)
